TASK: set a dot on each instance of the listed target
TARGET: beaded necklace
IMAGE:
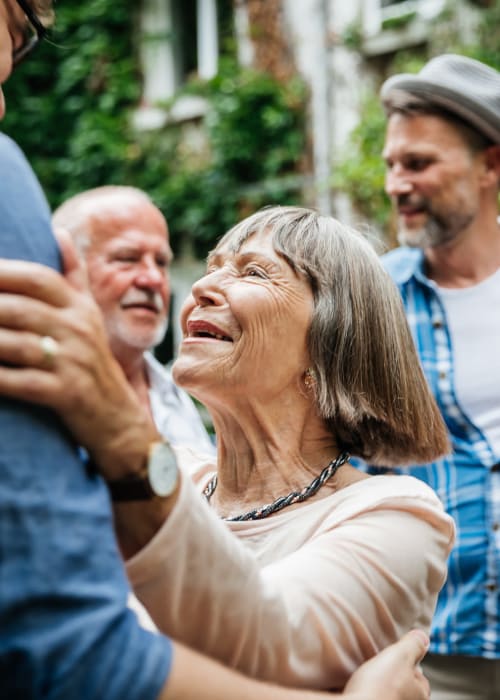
(283, 501)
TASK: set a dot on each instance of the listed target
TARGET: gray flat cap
(465, 87)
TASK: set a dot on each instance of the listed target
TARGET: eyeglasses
(34, 32)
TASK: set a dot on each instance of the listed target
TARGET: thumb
(414, 645)
(74, 269)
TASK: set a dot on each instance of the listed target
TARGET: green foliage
(70, 109)
(352, 36)
(255, 135)
(487, 48)
(399, 21)
(361, 171)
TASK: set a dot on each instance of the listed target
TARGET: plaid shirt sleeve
(467, 619)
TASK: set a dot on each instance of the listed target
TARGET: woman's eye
(255, 272)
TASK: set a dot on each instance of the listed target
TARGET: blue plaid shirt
(467, 619)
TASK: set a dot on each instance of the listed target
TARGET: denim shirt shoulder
(404, 263)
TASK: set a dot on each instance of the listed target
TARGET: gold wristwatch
(159, 477)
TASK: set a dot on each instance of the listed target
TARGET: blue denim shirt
(467, 619)
(65, 630)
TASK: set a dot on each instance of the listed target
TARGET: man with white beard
(442, 151)
(123, 239)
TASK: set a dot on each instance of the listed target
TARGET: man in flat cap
(442, 151)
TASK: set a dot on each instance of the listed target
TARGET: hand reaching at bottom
(391, 675)
(394, 673)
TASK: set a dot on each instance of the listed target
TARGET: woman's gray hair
(370, 388)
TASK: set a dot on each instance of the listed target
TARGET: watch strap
(132, 488)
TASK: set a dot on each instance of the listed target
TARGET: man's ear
(492, 163)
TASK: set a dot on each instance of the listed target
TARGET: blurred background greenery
(71, 110)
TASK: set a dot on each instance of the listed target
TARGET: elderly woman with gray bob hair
(281, 559)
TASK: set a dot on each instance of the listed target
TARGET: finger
(423, 683)
(74, 268)
(33, 385)
(426, 687)
(34, 280)
(21, 313)
(414, 645)
(22, 349)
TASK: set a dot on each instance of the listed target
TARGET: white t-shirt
(474, 321)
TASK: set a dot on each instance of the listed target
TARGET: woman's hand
(394, 673)
(54, 351)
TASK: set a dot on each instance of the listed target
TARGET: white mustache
(143, 296)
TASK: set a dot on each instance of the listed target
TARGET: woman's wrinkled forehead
(283, 241)
(281, 238)
(287, 227)
(251, 241)
(236, 237)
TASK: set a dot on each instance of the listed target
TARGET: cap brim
(454, 101)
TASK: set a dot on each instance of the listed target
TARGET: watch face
(162, 468)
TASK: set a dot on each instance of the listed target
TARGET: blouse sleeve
(313, 616)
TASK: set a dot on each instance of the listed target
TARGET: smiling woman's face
(245, 325)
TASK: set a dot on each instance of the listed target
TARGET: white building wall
(339, 77)
(336, 81)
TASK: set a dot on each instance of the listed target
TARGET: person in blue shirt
(442, 151)
(65, 629)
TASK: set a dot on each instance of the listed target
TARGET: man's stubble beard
(437, 231)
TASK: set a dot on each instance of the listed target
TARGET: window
(181, 39)
(392, 24)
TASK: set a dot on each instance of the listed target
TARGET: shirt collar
(405, 263)
(159, 376)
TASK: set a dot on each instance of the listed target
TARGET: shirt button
(492, 587)
(496, 526)
(437, 324)
(442, 375)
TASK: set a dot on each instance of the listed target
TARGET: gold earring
(309, 378)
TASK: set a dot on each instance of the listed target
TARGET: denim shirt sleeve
(65, 629)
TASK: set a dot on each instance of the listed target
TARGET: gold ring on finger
(50, 348)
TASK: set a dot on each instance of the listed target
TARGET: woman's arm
(314, 615)
(392, 675)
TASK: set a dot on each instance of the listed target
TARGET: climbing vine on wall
(70, 109)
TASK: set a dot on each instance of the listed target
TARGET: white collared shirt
(174, 412)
